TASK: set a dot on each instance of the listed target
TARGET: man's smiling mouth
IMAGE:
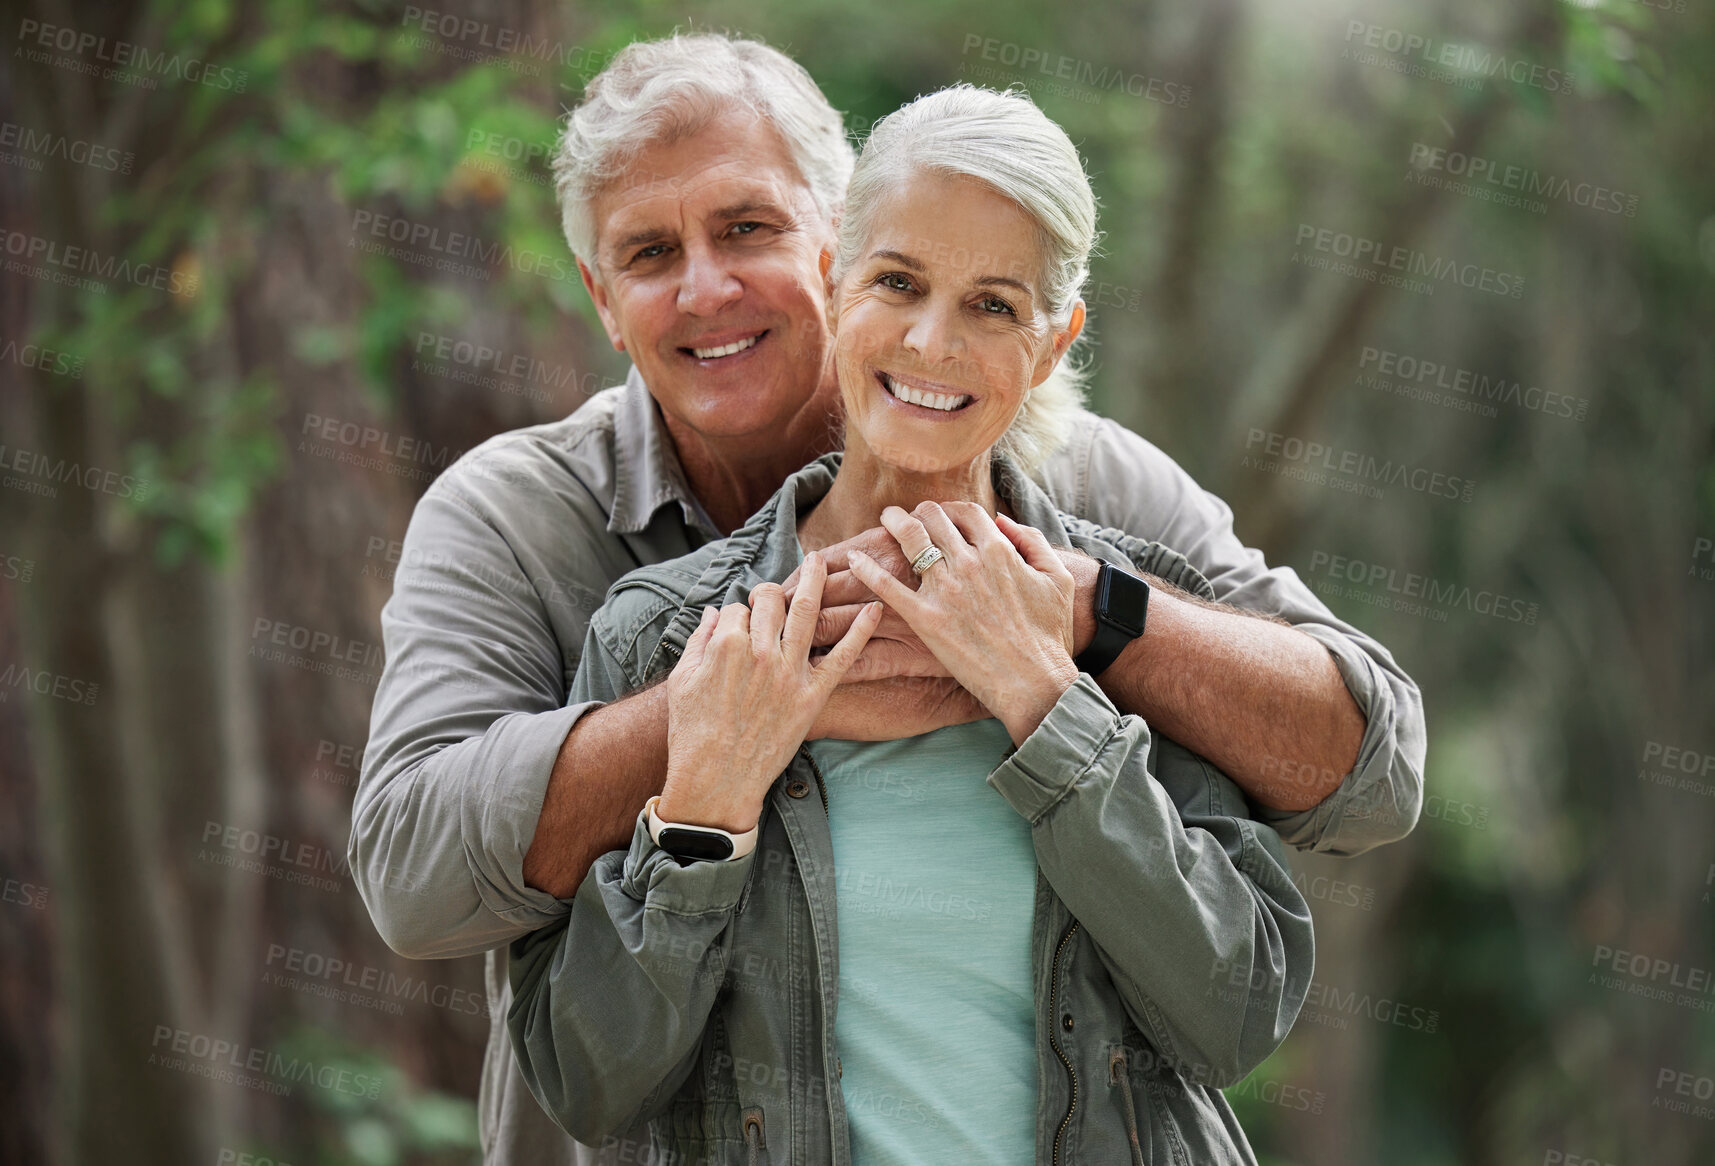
(731, 349)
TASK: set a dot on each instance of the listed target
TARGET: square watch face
(1125, 598)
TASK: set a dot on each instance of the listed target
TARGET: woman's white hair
(1006, 142)
(661, 91)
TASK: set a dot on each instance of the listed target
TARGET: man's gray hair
(1004, 141)
(661, 91)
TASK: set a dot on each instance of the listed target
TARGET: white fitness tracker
(697, 843)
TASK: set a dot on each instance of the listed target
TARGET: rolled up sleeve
(467, 723)
(1122, 481)
(1121, 840)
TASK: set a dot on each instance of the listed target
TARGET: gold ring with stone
(927, 559)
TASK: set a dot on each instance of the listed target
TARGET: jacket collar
(767, 547)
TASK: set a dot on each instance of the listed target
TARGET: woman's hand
(742, 699)
(996, 610)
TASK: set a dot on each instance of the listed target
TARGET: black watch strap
(1122, 605)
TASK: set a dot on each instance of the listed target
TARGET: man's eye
(746, 228)
(653, 251)
(895, 282)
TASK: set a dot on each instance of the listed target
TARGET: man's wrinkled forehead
(650, 199)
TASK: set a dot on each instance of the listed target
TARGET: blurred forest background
(1526, 976)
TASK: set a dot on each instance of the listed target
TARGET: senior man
(699, 180)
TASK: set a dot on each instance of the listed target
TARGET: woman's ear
(1062, 341)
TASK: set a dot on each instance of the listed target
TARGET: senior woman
(1045, 936)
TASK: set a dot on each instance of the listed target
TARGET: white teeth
(919, 397)
(726, 349)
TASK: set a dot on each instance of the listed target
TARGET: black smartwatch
(1122, 602)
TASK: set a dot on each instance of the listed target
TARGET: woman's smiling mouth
(902, 390)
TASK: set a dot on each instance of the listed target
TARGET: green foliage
(402, 1124)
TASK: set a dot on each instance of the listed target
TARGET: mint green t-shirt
(936, 881)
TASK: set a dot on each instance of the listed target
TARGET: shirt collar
(648, 474)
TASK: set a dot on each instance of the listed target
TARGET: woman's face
(940, 327)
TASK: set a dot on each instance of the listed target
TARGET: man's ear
(598, 296)
(1062, 342)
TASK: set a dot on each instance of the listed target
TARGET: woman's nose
(932, 336)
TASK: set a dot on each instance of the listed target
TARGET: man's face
(709, 277)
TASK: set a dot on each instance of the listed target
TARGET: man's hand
(901, 706)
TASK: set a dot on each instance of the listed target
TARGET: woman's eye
(895, 282)
(995, 307)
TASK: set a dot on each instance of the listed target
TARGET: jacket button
(839, 1069)
(1068, 1022)
(797, 788)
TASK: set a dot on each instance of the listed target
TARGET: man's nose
(707, 283)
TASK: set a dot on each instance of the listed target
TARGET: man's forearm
(613, 760)
(1259, 699)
